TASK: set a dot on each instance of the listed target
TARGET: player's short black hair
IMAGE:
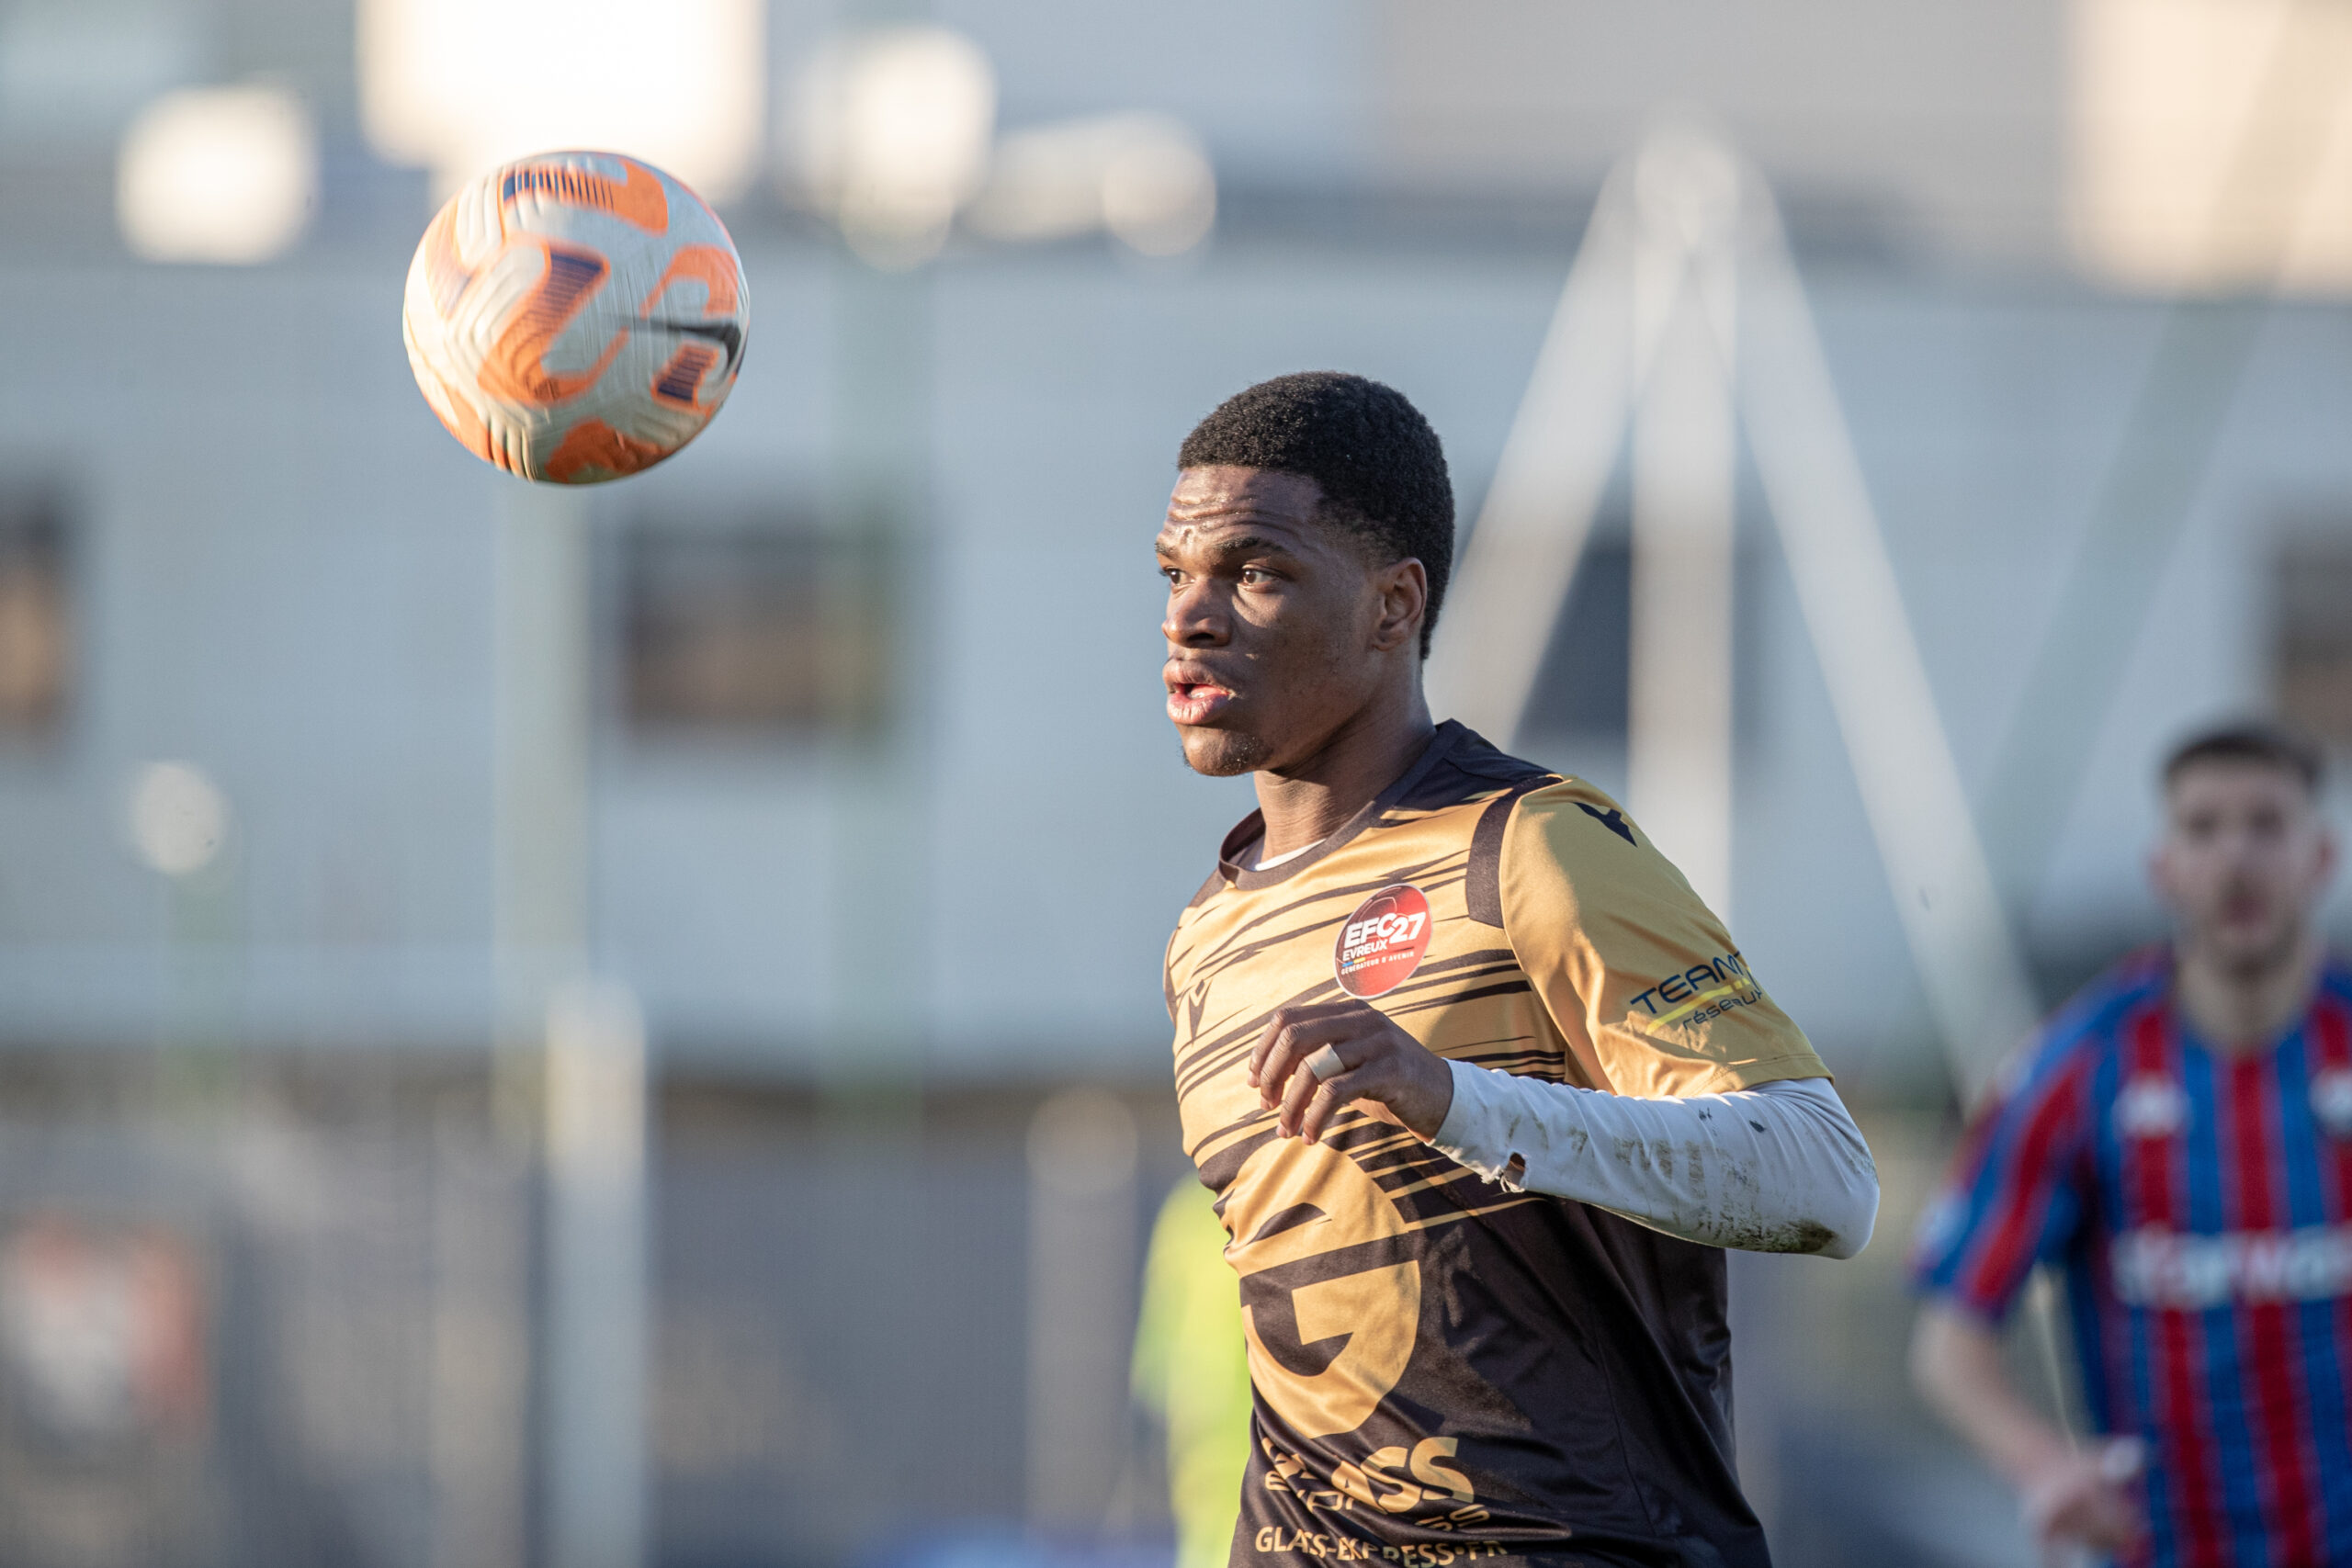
(1375, 458)
(2260, 741)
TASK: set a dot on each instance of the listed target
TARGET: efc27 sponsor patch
(1382, 942)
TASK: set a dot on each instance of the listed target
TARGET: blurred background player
(2180, 1143)
(1192, 1371)
(1443, 1354)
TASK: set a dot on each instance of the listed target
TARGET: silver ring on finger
(1326, 1062)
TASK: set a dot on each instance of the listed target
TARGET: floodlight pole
(879, 841)
(570, 1075)
(1082, 1230)
(596, 1278)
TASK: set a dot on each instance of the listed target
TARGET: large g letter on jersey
(1330, 1302)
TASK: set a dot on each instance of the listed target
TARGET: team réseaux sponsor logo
(2158, 1268)
(1701, 992)
(1382, 942)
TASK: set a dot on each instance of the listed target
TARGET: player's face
(2243, 858)
(1272, 621)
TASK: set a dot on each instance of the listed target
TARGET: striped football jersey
(1446, 1368)
(2199, 1202)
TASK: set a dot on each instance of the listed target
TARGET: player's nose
(1197, 617)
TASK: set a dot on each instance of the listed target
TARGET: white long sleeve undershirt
(1780, 1167)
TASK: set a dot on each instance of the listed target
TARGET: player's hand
(1311, 1061)
(2085, 1499)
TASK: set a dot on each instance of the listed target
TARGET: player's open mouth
(1195, 702)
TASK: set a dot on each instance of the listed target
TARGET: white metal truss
(1684, 320)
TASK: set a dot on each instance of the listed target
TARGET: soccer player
(2181, 1141)
(1192, 1369)
(1481, 1087)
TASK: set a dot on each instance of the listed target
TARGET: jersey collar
(1446, 737)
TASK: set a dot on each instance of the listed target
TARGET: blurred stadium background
(530, 1021)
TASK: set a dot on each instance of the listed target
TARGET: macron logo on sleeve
(1613, 819)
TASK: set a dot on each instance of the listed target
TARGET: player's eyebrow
(1246, 545)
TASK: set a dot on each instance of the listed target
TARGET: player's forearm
(1777, 1168)
(1957, 1365)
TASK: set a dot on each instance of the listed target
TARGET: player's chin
(1221, 753)
(2254, 945)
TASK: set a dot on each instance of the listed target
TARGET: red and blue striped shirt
(2200, 1204)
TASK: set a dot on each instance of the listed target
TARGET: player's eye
(1256, 577)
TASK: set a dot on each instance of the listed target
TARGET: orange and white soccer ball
(575, 317)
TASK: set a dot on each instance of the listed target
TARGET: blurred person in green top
(1192, 1369)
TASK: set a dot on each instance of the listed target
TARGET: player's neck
(2237, 1008)
(1309, 802)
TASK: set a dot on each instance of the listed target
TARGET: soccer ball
(574, 317)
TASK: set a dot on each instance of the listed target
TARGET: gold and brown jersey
(1445, 1367)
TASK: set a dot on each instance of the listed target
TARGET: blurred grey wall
(280, 569)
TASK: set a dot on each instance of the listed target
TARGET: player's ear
(1404, 590)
